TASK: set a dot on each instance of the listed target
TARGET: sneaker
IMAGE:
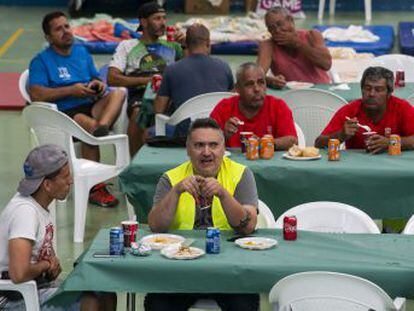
(101, 196)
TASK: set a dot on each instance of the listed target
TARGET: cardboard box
(205, 7)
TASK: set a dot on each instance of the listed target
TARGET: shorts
(84, 109)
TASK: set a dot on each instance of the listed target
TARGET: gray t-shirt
(245, 194)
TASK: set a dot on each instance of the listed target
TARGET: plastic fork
(365, 127)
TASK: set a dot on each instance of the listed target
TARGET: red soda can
(130, 228)
(289, 228)
(170, 33)
(156, 82)
(400, 78)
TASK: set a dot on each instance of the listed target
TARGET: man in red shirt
(254, 111)
(378, 109)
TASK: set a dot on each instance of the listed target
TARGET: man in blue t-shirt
(196, 74)
(65, 74)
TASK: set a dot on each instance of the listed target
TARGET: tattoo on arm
(245, 221)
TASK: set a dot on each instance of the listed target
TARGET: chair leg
(30, 296)
(368, 10)
(81, 194)
(321, 9)
(332, 7)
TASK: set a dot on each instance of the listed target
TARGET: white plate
(289, 157)
(161, 240)
(297, 85)
(257, 243)
(173, 252)
(227, 153)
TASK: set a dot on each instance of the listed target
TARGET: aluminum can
(244, 137)
(252, 148)
(130, 228)
(212, 240)
(116, 241)
(333, 150)
(394, 145)
(170, 30)
(156, 82)
(267, 147)
(400, 78)
(289, 228)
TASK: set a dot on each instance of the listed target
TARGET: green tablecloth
(352, 94)
(386, 260)
(380, 185)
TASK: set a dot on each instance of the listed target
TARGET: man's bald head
(197, 35)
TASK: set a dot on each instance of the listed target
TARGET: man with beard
(64, 74)
(292, 55)
(208, 190)
(135, 62)
(378, 109)
(254, 111)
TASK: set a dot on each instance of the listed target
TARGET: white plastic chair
(409, 227)
(313, 109)
(120, 126)
(321, 290)
(368, 9)
(331, 217)
(265, 218)
(393, 62)
(197, 107)
(51, 126)
(28, 291)
(410, 99)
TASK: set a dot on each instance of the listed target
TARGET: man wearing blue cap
(27, 229)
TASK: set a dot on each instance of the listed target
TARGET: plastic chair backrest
(265, 219)
(52, 126)
(198, 107)
(27, 289)
(393, 62)
(322, 290)
(332, 217)
(409, 227)
(23, 81)
(313, 109)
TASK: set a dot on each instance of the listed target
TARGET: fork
(365, 127)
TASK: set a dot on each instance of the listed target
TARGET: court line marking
(10, 41)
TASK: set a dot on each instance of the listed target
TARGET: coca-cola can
(400, 78)
(289, 228)
(156, 82)
(130, 228)
(170, 30)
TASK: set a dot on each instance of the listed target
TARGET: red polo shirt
(399, 116)
(274, 113)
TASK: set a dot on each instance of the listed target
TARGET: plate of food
(296, 153)
(161, 240)
(181, 252)
(297, 85)
(256, 243)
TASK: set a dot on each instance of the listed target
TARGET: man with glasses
(291, 54)
(378, 109)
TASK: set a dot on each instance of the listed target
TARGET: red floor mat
(10, 98)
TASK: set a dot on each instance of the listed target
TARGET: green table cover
(381, 185)
(386, 260)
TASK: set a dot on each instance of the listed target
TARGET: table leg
(130, 303)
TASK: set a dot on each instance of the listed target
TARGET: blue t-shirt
(50, 69)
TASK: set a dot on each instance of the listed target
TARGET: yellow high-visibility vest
(229, 177)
